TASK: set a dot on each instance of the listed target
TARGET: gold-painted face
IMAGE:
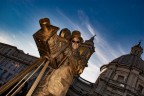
(75, 43)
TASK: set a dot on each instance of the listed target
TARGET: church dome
(124, 76)
(132, 60)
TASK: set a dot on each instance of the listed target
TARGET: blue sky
(118, 24)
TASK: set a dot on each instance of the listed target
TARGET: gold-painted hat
(44, 21)
(65, 33)
(77, 34)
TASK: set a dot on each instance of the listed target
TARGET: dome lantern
(137, 50)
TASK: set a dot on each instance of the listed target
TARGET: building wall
(80, 87)
(119, 81)
(12, 61)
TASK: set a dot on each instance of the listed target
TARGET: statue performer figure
(68, 57)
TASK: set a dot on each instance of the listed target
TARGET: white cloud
(71, 24)
(90, 29)
(121, 49)
(101, 56)
(20, 40)
(5, 37)
(91, 72)
(33, 46)
(104, 49)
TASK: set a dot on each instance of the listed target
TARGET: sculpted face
(75, 43)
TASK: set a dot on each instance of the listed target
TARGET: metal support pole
(28, 79)
(20, 75)
(37, 79)
(16, 85)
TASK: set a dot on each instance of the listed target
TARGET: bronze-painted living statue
(68, 64)
(66, 55)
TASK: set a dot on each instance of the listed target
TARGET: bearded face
(75, 43)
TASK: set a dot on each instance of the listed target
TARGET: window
(140, 88)
(4, 72)
(8, 64)
(16, 65)
(1, 71)
(120, 78)
(2, 75)
(4, 61)
(8, 76)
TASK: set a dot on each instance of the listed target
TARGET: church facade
(124, 76)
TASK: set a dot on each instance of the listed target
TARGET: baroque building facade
(124, 76)
(12, 61)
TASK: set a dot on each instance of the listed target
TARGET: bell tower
(87, 49)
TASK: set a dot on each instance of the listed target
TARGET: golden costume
(57, 82)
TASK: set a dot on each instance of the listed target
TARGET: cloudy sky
(118, 24)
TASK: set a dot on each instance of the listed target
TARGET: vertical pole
(20, 75)
(19, 88)
(37, 79)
